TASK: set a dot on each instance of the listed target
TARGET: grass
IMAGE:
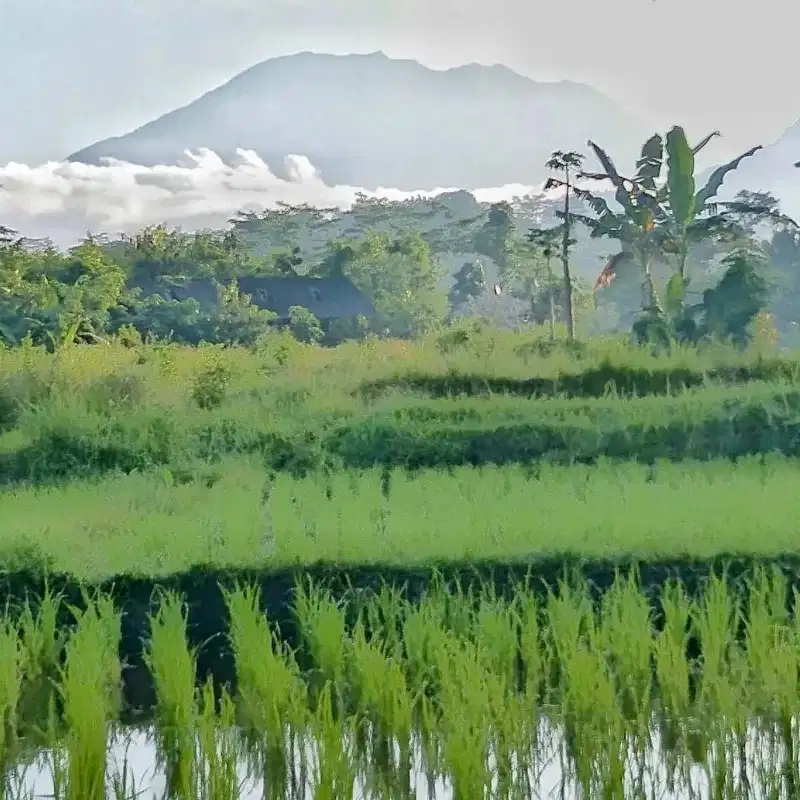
(154, 460)
(152, 524)
(86, 412)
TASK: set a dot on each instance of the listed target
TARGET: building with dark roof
(326, 298)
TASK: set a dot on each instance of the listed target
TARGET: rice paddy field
(461, 694)
(274, 572)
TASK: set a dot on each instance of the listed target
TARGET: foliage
(91, 411)
(304, 325)
(470, 282)
(211, 384)
(400, 254)
(662, 221)
(401, 278)
(466, 680)
(733, 304)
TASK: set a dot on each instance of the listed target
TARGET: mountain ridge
(369, 120)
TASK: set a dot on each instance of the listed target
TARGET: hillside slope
(370, 121)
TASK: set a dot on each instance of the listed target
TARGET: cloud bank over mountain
(64, 200)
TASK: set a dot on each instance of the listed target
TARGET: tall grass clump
(42, 638)
(90, 692)
(11, 666)
(271, 695)
(171, 662)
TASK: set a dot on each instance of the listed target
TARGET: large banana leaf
(648, 167)
(597, 204)
(698, 147)
(611, 226)
(622, 195)
(718, 176)
(680, 176)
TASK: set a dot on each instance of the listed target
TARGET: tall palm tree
(568, 164)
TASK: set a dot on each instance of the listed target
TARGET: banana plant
(634, 224)
(661, 219)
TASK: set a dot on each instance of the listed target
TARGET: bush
(211, 385)
(117, 391)
(69, 443)
(17, 391)
(727, 432)
(606, 378)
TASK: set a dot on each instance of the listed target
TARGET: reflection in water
(134, 771)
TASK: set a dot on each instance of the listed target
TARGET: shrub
(211, 384)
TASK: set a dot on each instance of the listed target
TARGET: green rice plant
(42, 639)
(422, 628)
(217, 760)
(386, 707)
(172, 664)
(625, 635)
(570, 620)
(11, 664)
(494, 628)
(496, 634)
(90, 690)
(533, 665)
(477, 691)
(423, 634)
(324, 630)
(673, 675)
(721, 702)
(593, 727)
(333, 736)
(465, 710)
(774, 666)
(270, 690)
(171, 520)
(383, 615)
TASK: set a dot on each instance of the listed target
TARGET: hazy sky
(75, 71)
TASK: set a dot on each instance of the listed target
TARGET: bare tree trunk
(552, 298)
(565, 261)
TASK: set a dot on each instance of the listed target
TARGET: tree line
(677, 263)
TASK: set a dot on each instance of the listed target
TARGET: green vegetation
(465, 689)
(706, 270)
(155, 524)
(428, 466)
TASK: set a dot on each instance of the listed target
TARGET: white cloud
(63, 200)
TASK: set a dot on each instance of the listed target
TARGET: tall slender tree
(548, 241)
(568, 165)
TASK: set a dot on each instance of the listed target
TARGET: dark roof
(326, 298)
(201, 289)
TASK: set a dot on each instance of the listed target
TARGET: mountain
(775, 163)
(771, 169)
(371, 121)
